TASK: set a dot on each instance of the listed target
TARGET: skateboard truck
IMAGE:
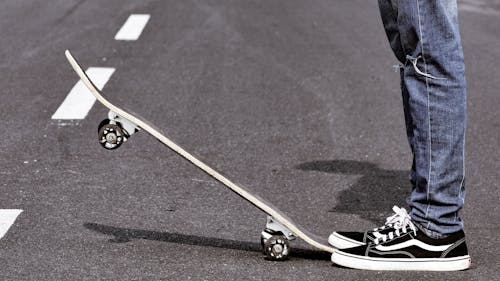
(115, 130)
(274, 240)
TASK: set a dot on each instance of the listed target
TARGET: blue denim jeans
(424, 36)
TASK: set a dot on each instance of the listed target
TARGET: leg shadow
(375, 192)
(123, 235)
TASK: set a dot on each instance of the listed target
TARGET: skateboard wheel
(276, 248)
(111, 136)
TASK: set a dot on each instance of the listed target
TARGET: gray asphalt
(296, 100)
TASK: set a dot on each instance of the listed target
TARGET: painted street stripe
(7, 218)
(79, 100)
(132, 28)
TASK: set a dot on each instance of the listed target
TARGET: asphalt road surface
(296, 100)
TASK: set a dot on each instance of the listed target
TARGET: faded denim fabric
(424, 36)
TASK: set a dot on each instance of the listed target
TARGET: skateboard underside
(121, 125)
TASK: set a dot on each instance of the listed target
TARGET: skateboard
(122, 124)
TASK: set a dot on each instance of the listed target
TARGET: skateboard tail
(254, 199)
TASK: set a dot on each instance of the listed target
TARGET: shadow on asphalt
(123, 235)
(373, 195)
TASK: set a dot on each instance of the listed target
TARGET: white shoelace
(399, 221)
(390, 221)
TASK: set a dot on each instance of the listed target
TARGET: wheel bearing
(276, 248)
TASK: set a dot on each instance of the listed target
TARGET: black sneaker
(408, 248)
(345, 240)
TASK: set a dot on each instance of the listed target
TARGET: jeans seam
(460, 187)
(428, 112)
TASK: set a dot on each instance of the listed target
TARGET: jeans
(424, 36)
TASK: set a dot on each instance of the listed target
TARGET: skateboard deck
(279, 228)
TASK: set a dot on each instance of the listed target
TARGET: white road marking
(7, 218)
(132, 28)
(79, 100)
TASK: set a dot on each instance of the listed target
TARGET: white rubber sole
(421, 264)
(340, 242)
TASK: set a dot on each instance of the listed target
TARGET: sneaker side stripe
(445, 253)
(413, 242)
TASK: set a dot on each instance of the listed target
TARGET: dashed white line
(79, 101)
(132, 28)
(7, 218)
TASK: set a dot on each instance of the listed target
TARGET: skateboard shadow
(373, 194)
(123, 235)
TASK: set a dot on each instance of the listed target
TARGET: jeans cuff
(431, 233)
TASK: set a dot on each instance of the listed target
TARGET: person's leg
(434, 77)
(424, 37)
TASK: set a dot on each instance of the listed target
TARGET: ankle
(430, 233)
